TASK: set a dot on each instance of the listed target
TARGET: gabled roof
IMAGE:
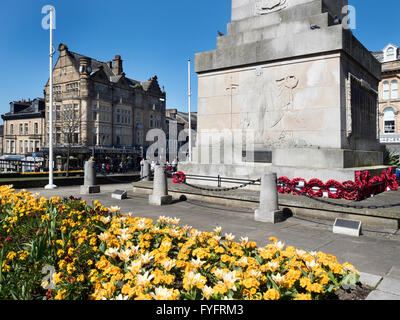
(380, 55)
(151, 84)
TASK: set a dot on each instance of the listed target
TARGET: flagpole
(51, 184)
(190, 114)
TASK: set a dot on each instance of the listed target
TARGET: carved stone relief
(272, 103)
(268, 6)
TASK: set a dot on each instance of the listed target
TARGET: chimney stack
(117, 65)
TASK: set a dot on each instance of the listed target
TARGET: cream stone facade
(98, 109)
(389, 97)
(23, 130)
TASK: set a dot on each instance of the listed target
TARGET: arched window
(386, 90)
(390, 54)
(389, 118)
(394, 89)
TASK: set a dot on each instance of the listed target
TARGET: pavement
(375, 254)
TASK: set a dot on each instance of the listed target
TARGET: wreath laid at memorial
(67, 249)
(363, 187)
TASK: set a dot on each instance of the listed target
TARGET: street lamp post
(51, 184)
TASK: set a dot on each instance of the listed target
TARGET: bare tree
(71, 119)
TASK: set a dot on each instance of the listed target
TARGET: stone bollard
(160, 188)
(269, 210)
(89, 185)
(145, 171)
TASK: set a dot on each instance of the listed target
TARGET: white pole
(51, 184)
(190, 114)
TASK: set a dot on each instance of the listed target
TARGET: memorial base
(254, 171)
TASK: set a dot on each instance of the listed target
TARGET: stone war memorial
(295, 91)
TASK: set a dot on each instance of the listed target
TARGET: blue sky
(153, 38)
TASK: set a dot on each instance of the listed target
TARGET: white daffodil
(244, 240)
(114, 209)
(135, 266)
(218, 230)
(278, 278)
(146, 258)
(300, 253)
(229, 236)
(161, 293)
(279, 245)
(273, 265)
(197, 263)
(207, 292)
(229, 279)
(112, 252)
(103, 236)
(124, 255)
(144, 279)
(176, 220)
(141, 224)
(312, 264)
(105, 220)
(168, 264)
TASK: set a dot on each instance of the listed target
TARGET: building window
(36, 128)
(390, 54)
(21, 129)
(73, 87)
(394, 89)
(57, 89)
(151, 124)
(118, 115)
(26, 146)
(31, 146)
(12, 147)
(58, 112)
(94, 112)
(11, 129)
(21, 147)
(389, 118)
(36, 145)
(76, 111)
(386, 91)
(58, 135)
(26, 128)
(8, 146)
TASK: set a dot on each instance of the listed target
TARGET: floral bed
(66, 249)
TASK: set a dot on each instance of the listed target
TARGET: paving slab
(380, 295)
(390, 285)
(370, 280)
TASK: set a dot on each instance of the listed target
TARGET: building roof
(380, 55)
(25, 109)
(107, 68)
